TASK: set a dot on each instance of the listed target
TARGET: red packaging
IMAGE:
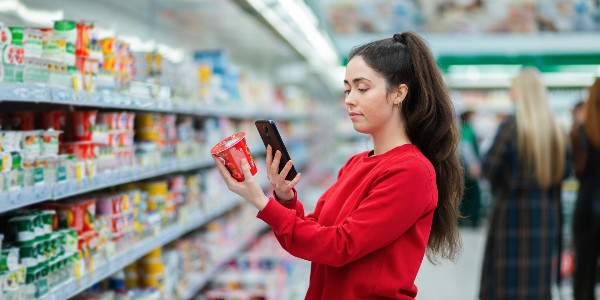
(82, 122)
(88, 208)
(70, 216)
(231, 151)
(109, 119)
(125, 138)
(83, 38)
(83, 150)
(54, 119)
(22, 120)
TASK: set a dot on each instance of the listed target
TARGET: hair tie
(398, 38)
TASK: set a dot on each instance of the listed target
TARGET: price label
(79, 172)
(38, 175)
(61, 173)
(76, 85)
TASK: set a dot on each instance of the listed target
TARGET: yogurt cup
(231, 151)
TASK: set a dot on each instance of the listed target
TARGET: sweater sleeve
(397, 199)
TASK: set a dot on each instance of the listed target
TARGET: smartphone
(270, 136)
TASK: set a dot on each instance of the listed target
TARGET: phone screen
(270, 136)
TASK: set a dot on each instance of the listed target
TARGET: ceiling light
(32, 16)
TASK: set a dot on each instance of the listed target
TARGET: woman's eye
(346, 92)
(362, 90)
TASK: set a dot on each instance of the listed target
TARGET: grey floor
(454, 280)
(448, 280)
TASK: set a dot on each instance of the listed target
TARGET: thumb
(246, 169)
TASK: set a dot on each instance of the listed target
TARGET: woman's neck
(386, 140)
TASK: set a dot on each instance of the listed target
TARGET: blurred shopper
(470, 205)
(585, 139)
(577, 113)
(525, 167)
(370, 231)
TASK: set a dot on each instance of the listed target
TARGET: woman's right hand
(283, 188)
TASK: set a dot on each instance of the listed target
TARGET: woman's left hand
(248, 189)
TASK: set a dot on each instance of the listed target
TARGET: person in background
(470, 205)
(525, 167)
(371, 229)
(585, 139)
(577, 114)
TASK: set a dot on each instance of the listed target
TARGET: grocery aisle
(455, 280)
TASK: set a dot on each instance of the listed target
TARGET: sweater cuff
(291, 204)
(274, 214)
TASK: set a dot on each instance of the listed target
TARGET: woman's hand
(283, 188)
(249, 189)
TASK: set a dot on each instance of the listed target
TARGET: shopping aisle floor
(455, 280)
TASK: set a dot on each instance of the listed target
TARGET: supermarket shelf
(232, 253)
(72, 287)
(10, 200)
(37, 93)
(14, 199)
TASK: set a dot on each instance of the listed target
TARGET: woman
(585, 139)
(525, 167)
(369, 232)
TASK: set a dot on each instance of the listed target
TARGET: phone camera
(267, 132)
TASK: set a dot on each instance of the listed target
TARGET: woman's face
(366, 98)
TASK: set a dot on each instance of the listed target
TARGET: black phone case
(270, 136)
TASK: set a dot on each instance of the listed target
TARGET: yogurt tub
(30, 142)
(28, 255)
(70, 241)
(9, 259)
(11, 140)
(49, 142)
(24, 227)
(5, 162)
(47, 217)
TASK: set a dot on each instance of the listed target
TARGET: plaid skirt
(523, 241)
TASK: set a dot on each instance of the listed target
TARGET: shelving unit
(127, 256)
(201, 281)
(10, 200)
(34, 93)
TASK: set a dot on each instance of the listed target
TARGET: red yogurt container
(231, 151)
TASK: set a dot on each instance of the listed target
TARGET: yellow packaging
(157, 188)
(156, 253)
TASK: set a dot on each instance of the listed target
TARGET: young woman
(585, 138)
(525, 167)
(369, 232)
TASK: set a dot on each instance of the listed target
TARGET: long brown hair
(430, 124)
(541, 142)
(591, 121)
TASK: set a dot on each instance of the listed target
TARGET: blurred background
(123, 101)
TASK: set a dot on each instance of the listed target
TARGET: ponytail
(430, 123)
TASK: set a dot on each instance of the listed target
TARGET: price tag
(79, 172)
(92, 264)
(61, 173)
(126, 202)
(38, 176)
(76, 85)
(78, 269)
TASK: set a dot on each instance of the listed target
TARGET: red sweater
(368, 234)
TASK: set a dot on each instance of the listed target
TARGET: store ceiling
(468, 26)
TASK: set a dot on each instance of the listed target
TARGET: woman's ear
(400, 93)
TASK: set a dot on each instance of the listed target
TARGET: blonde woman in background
(585, 138)
(525, 167)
